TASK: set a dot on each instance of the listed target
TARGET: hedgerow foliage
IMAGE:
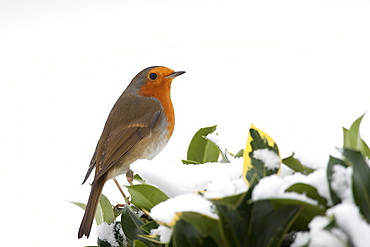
(243, 221)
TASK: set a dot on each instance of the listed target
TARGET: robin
(138, 127)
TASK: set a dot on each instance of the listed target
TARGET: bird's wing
(91, 166)
(122, 140)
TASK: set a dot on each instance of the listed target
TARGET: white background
(298, 70)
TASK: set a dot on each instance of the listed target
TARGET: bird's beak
(175, 74)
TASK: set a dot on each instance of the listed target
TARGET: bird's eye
(153, 76)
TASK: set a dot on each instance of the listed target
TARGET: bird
(139, 126)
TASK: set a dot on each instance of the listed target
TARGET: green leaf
(104, 211)
(329, 173)
(154, 239)
(229, 200)
(102, 243)
(190, 162)
(138, 243)
(131, 226)
(259, 211)
(296, 165)
(276, 225)
(352, 139)
(185, 235)
(79, 204)
(145, 196)
(226, 157)
(309, 211)
(206, 226)
(309, 191)
(139, 179)
(201, 150)
(361, 180)
(239, 154)
(233, 226)
(147, 227)
(235, 216)
(255, 168)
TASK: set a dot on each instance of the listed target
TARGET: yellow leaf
(260, 140)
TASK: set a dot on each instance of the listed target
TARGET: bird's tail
(91, 206)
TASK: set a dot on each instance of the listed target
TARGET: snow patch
(165, 212)
(216, 140)
(341, 183)
(274, 187)
(183, 179)
(268, 157)
(321, 237)
(349, 219)
(164, 233)
(106, 232)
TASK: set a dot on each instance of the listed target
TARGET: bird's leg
(119, 187)
(130, 179)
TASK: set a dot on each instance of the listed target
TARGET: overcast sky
(298, 70)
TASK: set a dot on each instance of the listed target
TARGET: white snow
(224, 186)
(302, 239)
(351, 227)
(164, 233)
(268, 157)
(274, 186)
(105, 232)
(213, 137)
(214, 180)
(342, 182)
(165, 212)
(348, 218)
(312, 158)
(318, 179)
(175, 178)
(321, 237)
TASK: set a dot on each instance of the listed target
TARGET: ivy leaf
(190, 162)
(309, 191)
(239, 154)
(329, 173)
(226, 157)
(296, 165)
(138, 243)
(352, 139)
(200, 150)
(147, 227)
(253, 167)
(131, 226)
(139, 179)
(235, 214)
(185, 234)
(104, 211)
(145, 196)
(276, 225)
(361, 180)
(233, 225)
(307, 213)
(205, 225)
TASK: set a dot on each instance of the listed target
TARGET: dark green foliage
(243, 222)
